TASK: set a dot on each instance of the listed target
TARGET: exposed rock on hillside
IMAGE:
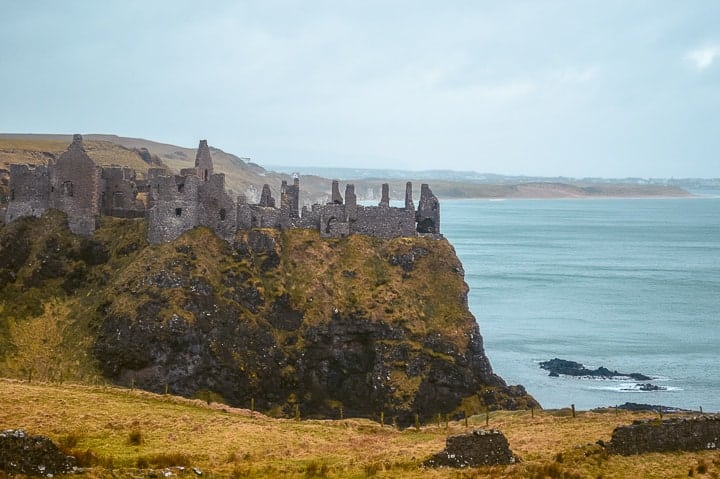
(477, 448)
(32, 455)
(281, 318)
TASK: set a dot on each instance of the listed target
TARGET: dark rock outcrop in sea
(564, 367)
(632, 406)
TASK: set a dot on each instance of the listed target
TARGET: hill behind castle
(245, 177)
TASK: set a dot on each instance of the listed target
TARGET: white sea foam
(633, 388)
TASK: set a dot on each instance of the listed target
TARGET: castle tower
(350, 202)
(290, 197)
(409, 205)
(385, 199)
(266, 198)
(203, 161)
(428, 212)
(336, 198)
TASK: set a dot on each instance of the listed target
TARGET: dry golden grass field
(125, 433)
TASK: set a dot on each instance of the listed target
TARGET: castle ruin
(174, 204)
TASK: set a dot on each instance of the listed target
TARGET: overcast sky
(575, 87)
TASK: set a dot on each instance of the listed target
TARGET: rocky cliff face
(279, 319)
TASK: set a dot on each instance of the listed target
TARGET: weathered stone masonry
(684, 434)
(174, 204)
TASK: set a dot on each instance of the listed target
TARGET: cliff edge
(282, 320)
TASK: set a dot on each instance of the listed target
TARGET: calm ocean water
(632, 285)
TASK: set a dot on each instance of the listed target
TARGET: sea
(629, 284)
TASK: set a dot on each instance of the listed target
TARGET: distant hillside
(41, 149)
(247, 177)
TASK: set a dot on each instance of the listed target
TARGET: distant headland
(245, 177)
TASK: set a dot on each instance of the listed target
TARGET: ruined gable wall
(177, 207)
(203, 162)
(29, 191)
(75, 187)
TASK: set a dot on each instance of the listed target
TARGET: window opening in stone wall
(178, 211)
(222, 214)
(181, 187)
(67, 188)
(118, 199)
(206, 175)
(330, 224)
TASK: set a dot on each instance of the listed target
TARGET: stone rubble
(481, 447)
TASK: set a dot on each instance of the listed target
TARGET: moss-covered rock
(283, 319)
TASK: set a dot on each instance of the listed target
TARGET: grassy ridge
(121, 429)
(41, 150)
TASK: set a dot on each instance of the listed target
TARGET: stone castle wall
(174, 204)
(177, 207)
(75, 187)
(119, 193)
(384, 222)
(685, 434)
(218, 211)
(29, 191)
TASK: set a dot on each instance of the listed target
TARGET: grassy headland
(117, 431)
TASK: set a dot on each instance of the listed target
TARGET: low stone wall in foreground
(679, 434)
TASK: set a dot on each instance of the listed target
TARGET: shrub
(165, 460)
(69, 441)
(88, 458)
(135, 438)
(314, 469)
(372, 469)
